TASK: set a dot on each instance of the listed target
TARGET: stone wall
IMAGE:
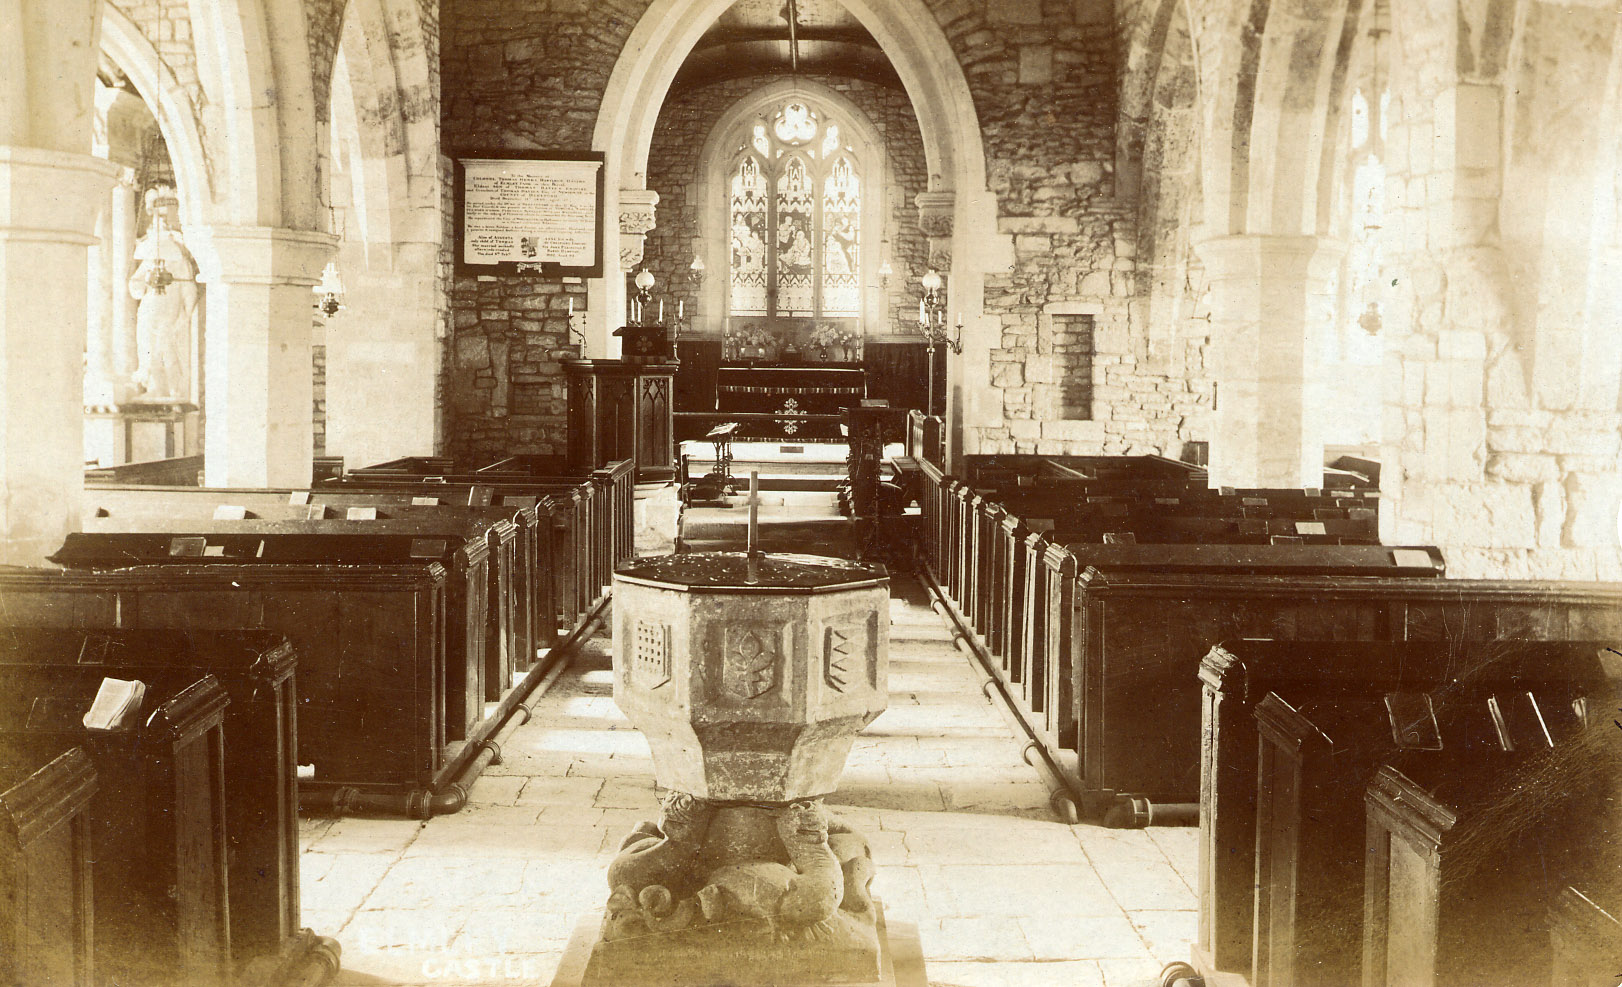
(1490, 450)
(1045, 78)
(516, 75)
(686, 122)
(167, 24)
(318, 391)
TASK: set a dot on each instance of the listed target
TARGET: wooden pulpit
(621, 409)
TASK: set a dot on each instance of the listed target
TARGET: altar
(804, 400)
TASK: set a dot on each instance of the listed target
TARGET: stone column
(122, 251)
(258, 319)
(1269, 295)
(98, 349)
(48, 206)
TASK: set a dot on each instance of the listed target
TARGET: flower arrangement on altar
(829, 337)
(751, 334)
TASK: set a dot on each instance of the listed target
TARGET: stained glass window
(841, 225)
(749, 232)
(794, 212)
(795, 231)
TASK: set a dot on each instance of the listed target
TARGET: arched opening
(1351, 345)
(144, 346)
(375, 363)
(930, 74)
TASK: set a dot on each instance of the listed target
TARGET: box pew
(1019, 547)
(256, 669)
(159, 889)
(407, 465)
(479, 603)
(1424, 623)
(611, 528)
(1320, 748)
(1465, 857)
(1125, 715)
(563, 516)
(371, 639)
(47, 920)
(513, 536)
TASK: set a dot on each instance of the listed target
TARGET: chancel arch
(964, 211)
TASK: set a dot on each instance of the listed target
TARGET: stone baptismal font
(750, 675)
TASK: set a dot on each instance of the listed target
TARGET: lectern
(621, 409)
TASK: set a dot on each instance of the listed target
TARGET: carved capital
(935, 212)
(637, 210)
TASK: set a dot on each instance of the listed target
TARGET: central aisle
(967, 848)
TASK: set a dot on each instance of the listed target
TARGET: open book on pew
(117, 704)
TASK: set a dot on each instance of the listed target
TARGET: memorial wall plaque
(530, 212)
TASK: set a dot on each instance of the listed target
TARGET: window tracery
(795, 217)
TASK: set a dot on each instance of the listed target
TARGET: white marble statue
(165, 284)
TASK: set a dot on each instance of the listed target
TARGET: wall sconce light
(330, 292)
(886, 272)
(695, 270)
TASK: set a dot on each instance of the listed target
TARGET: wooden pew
(509, 536)
(1126, 717)
(372, 644)
(1318, 755)
(1441, 648)
(609, 538)
(477, 601)
(47, 920)
(256, 670)
(157, 820)
(1465, 857)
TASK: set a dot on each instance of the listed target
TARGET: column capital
(936, 212)
(265, 255)
(1253, 255)
(52, 196)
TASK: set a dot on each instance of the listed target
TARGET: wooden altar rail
(695, 425)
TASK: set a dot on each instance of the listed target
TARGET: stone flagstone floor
(967, 849)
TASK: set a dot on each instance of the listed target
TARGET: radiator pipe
(1130, 812)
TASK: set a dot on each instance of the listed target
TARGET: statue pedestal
(139, 432)
(750, 675)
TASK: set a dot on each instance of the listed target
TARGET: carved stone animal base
(721, 957)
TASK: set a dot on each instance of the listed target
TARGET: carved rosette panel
(748, 667)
